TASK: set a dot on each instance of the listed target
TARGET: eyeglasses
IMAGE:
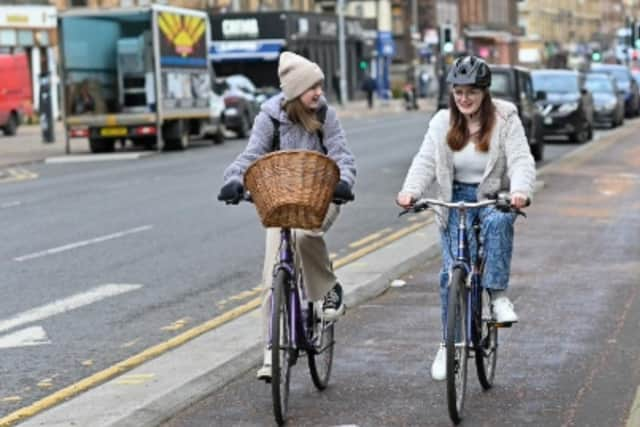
(467, 92)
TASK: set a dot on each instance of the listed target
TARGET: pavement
(27, 146)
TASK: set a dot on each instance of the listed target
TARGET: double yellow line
(155, 351)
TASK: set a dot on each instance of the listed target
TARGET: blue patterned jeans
(497, 234)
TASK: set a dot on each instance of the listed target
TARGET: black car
(513, 84)
(608, 99)
(567, 109)
(626, 82)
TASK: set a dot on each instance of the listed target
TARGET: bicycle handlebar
(247, 198)
(500, 200)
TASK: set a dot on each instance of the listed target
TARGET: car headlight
(568, 107)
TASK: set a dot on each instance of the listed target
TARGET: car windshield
(599, 85)
(499, 84)
(621, 75)
(555, 83)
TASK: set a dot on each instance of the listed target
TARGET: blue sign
(385, 45)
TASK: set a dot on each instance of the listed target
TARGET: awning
(502, 36)
(248, 50)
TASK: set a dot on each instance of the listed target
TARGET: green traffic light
(363, 65)
(595, 56)
(637, 43)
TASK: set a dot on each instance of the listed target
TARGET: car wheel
(243, 130)
(218, 137)
(537, 151)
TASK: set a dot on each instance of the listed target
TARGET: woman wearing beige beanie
(297, 118)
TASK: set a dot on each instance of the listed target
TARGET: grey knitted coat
(293, 136)
(510, 165)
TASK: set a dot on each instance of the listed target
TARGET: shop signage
(28, 16)
(240, 28)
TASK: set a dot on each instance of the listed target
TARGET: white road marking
(82, 243)
(10, 205)
(34, 335)
(66, 304)
(83, 158)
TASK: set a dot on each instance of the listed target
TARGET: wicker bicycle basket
(292, 188)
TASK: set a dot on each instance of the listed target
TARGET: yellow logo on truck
(183, 31)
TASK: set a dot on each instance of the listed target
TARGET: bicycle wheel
(321, 356)
(456, 345)
(280, 347)
(485, 340)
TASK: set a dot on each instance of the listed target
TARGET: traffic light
(636, 39)
(446, 38)
(363, 65)
(596, 56)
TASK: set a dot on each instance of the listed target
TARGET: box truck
(139, 74)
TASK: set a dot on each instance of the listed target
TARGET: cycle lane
(572, 361)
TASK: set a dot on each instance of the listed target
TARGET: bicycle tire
(485, 341)
(280, 346)
(320, 358)
(456, 346)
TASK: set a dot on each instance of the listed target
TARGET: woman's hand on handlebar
(519, 200)
(342, 193)
(405, 200)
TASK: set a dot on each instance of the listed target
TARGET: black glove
(232, 192)
(342, 193)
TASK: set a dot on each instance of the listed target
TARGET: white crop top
(469, 164)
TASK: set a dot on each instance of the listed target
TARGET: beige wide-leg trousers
(313, 256)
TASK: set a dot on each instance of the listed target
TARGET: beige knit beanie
(297, 74)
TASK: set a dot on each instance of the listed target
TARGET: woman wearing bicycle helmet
(297, 118)
(475, 148)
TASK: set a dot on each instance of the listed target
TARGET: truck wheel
(101, 145)
(12, 125)
(176, 135)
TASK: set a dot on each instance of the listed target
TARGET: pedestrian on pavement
(335, 83)
(369, 86)
(475, 148)
(300, 118)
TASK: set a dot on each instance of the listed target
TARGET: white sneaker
(439, 366)
(264, 373)
(503, 311)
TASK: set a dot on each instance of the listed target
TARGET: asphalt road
(573, 360)
(100, 261)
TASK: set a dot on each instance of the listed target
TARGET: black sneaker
(332, 308)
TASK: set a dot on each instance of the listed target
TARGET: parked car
(15, 92)
(608, 99)
(515, 85)
(626, 82)
(567, 108)
(242, 103)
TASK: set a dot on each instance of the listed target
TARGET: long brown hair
(301, 115)
(458, 134)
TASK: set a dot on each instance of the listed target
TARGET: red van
(15, 91)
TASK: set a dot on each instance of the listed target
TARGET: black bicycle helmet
(470, 70)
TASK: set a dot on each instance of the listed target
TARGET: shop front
(32, 29)
(250, 44)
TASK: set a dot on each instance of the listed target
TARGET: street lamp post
(342, 52)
